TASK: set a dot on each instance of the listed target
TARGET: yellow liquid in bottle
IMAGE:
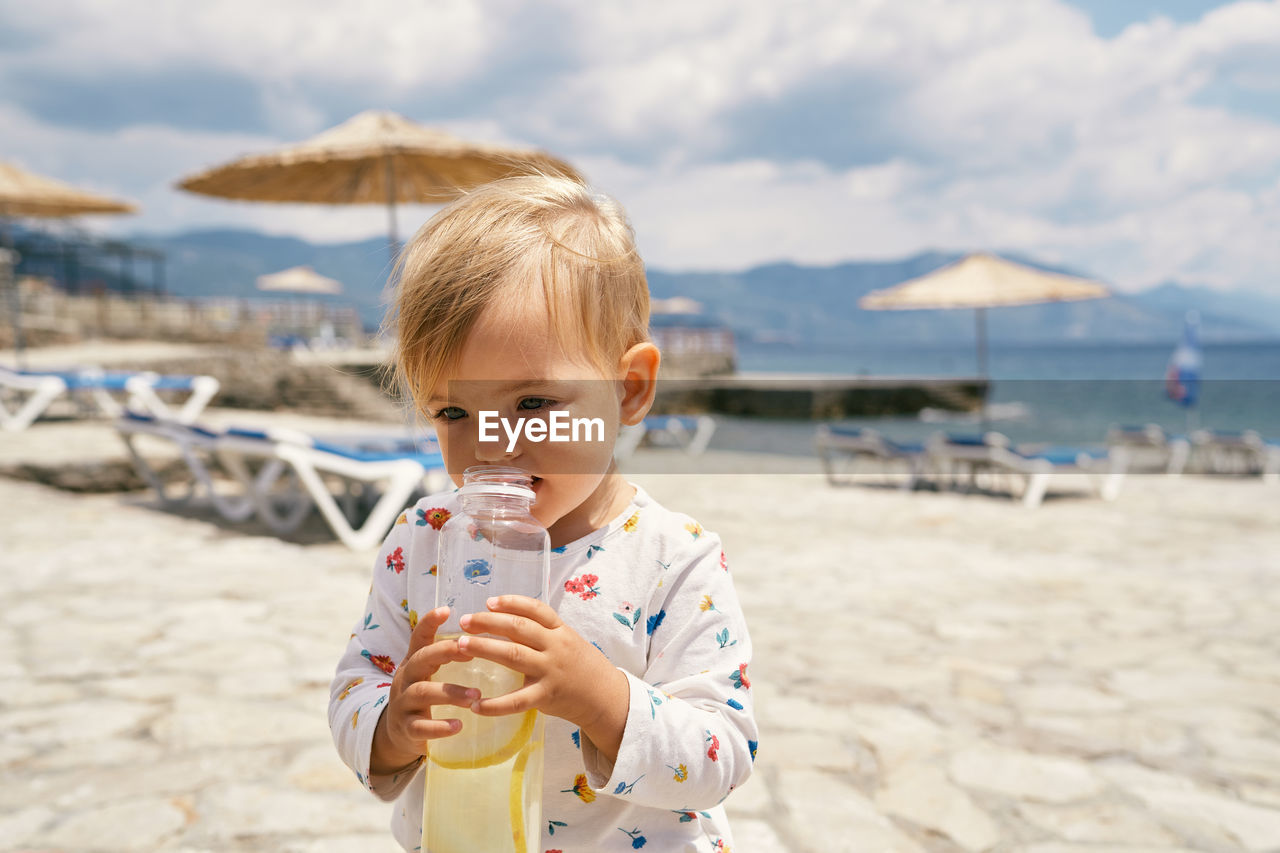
(484, 785)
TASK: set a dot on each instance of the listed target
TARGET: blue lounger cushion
(903, 447)
(173, 383)
(1064, 456)
(967, 440)
(665, 421)
(77, 380)
(244, 432)
(426, 460)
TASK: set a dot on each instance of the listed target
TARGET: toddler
(524, 298)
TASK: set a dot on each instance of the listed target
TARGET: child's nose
(490, 452)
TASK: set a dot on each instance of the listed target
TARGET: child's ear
(638, 371)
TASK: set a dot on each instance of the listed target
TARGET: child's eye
(449, 413)
(529, 404)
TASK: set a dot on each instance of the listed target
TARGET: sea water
(1068, 394)
(484, 785)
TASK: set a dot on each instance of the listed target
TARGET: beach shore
(932, 671)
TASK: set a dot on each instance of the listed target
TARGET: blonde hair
(490, 247)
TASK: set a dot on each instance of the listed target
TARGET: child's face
(513, 364)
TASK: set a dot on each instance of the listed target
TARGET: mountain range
(782, 302)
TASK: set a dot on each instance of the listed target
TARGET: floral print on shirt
(583, 586)
(687, 744)
(581, 789)
(436, 517)
(628, 615)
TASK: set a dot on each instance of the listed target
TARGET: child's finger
(523, 699)
(519, 629)
(422, 695)
(530, 608)
(511, 655)
(423, 663)
(424, 729)
(425, 632)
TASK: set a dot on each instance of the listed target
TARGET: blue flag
(1182, 377)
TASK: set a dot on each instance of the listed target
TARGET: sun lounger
(1240, 453)
(197, 446)
(23, 396)
(31, 393)
(1150, 448)
(374, 478)
(991, 454)
(844, 449)
(359, 484)
(359, 513)
(1271, 462)
(401, 472)
(691, 433)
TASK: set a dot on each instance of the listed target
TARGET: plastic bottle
(484, 784)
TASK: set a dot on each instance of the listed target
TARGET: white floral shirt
(652, 590)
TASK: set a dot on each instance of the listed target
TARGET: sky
(1134, 140)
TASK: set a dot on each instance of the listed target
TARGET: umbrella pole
(980, 315)
(391, 206)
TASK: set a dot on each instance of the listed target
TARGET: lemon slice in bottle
(521, 822)
(515, 800)
(483, 741)
(501, 738)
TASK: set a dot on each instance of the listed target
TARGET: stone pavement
(167, 683)
(933, 672)
(953, 673)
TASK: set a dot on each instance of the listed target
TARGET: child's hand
(565, 676)
(407, 724)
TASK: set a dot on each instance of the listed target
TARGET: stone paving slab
(933, 672)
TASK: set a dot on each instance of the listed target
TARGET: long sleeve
(362, 683)
(690, 736)
(652, 591)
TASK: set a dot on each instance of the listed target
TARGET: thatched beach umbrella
(26, 194)
(299, 280)
(376, 157)
(981, 281)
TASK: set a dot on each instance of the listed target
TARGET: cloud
(736, 133)
(186, 97)
(378, 41)
(289, 48)
(1016, 129)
